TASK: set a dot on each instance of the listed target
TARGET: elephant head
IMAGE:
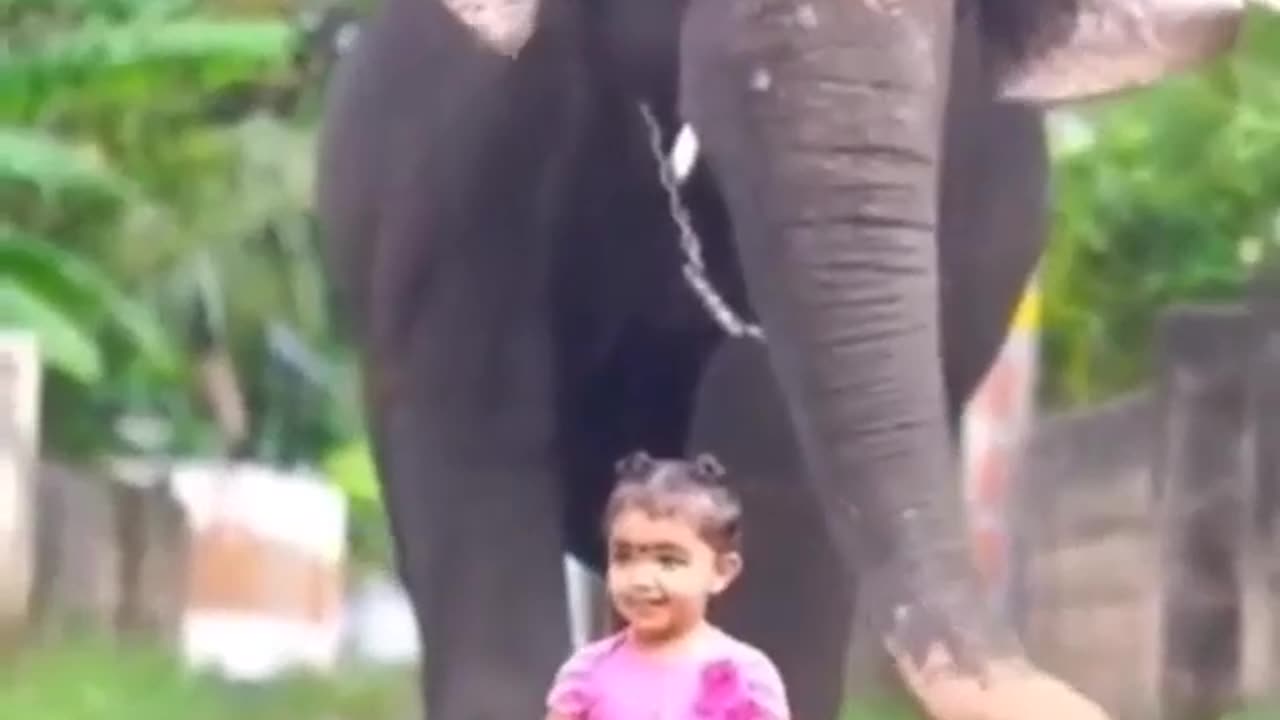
(822, 121)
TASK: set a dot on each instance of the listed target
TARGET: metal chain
(695, 269)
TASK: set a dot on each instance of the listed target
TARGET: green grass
(1269, 711)
(89, 679)
(94, 679)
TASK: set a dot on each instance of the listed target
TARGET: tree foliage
(66, 301)
(144, 155)
(155, 221)
(1166, 195)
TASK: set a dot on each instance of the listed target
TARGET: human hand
(1010, 690)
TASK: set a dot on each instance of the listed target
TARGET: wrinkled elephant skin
(513, 279)
(1095, 48)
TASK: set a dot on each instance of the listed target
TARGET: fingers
(1006, 690)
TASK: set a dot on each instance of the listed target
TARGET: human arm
(765, 688)
(572, 691)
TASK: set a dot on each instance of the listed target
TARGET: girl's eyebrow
(644, 547)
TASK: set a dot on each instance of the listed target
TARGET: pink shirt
(721, 679)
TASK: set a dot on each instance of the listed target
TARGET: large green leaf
(81, 9)
(84, 292)
(147, 62)
(167, 40)
(63, 344)
(155, 89)
(54, 165)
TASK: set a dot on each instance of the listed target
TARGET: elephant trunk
(822, 121)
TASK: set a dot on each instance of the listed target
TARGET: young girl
(674, 535)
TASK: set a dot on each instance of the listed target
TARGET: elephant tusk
(684, 153)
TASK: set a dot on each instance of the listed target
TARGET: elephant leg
(432, 181)
(794, 601)
(476, 529)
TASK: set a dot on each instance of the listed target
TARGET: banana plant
(114, 173)
(163, 146)
(70, 304)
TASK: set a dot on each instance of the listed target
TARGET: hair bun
(708, 468)
(636, 464)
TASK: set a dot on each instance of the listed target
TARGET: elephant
(536, 288)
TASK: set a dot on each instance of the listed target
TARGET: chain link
(695, 269)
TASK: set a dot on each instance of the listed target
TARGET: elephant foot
(1011, 689)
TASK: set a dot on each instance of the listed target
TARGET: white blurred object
(265, 576)
(20, 389)
(381, 627)
(580, 592)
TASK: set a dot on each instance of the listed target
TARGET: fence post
(19, 448)
(1262, 641)
(1206, 498)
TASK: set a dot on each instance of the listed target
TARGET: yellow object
(1027, 317)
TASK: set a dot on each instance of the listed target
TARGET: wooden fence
(1151, 564)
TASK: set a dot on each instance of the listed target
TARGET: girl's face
(662, 574)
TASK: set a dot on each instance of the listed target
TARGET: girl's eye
(670, 561)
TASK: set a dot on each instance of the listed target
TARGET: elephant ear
(1049, 52)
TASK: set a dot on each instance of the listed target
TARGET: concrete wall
(1091, 532)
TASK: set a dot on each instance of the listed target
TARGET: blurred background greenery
(156, 232)
(1163, 196)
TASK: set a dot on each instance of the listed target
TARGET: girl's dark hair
(690, 489)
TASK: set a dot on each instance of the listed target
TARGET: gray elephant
(528, 308)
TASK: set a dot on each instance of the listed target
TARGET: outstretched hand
(1011, 690)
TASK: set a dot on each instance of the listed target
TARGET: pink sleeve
(765, 687)
(571, 692)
